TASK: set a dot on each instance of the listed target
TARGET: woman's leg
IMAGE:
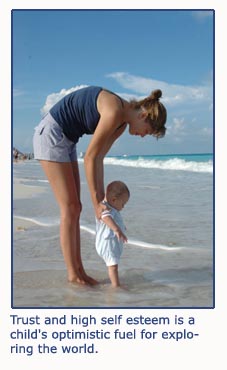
(62, 180)
(87, 278)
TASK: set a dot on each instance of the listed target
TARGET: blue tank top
(77, 112)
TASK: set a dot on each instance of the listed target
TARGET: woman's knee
(71, 211)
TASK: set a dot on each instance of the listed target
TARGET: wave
(30, 179)
(176, 164)
(38, 222)
(46, 181)
(172, 163)
(132, 242)
(142, 244)
(137, 243)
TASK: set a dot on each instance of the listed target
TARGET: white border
(210, 324)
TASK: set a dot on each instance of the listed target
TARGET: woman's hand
(101, 207)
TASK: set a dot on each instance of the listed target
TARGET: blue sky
(130, 52)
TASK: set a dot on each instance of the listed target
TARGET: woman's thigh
(64, 180)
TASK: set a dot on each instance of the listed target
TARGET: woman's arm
(106, 148)
(105, 134)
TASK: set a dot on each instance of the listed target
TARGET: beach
(168, 260)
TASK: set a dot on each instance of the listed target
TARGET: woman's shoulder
(110, 102)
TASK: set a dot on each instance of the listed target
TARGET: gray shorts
(51, 144)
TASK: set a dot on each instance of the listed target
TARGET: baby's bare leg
(113, 275)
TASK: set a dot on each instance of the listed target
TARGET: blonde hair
(156, 112)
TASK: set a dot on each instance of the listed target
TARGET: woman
(90, 110)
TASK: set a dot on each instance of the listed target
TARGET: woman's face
(139, 126)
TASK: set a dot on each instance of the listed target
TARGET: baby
(110, 229)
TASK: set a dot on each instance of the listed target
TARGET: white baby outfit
(107, 244)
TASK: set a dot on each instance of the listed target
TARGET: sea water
(168, 260)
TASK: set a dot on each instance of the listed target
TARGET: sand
(24, 191)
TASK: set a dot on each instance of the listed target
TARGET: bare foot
(82, 279)
(120, 287)
(90, 280)
(76, 280)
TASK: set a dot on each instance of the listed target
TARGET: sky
(130, 52)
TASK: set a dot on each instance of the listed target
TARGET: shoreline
(21, 225)
(22, 191)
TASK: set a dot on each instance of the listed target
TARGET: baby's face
(120, 202)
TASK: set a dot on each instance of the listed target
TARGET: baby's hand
(120, 235)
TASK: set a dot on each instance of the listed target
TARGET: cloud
(172, 94)
(185, 104)
(178, 124)
(202, 14)
(55, 97)
(207, 131)
(17, 92)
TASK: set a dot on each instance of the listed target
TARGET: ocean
(168, 260)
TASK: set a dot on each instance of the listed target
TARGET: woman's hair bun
(156, 94)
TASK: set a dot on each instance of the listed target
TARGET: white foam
(169, 164)
(88, 229)
(37, 221)
(24, 180)
(142, 244)
(132, 242)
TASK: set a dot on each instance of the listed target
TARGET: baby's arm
(108, 220)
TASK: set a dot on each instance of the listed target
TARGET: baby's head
(117, 194)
